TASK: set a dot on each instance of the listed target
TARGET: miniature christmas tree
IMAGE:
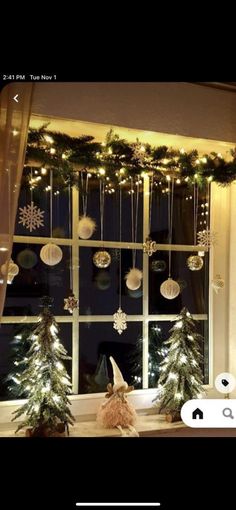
(45, 379)
(181, 377)
(20, 346)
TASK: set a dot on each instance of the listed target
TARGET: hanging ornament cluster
(10, 270)
(51, 254)
(207, 238)
(195, 263)
(102, 259)
(27, 258)
(134, 279)
(170, 289)
(86, 227)
(217, 283)
(149, 247)
(120, 319)
(158, 266)
(103, 280)
(31, 217)
(71, 303)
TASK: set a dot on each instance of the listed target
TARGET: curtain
(14, 122)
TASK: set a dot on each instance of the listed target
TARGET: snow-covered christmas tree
(181, 376)
(45, 379)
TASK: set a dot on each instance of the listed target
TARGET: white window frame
(87, 404)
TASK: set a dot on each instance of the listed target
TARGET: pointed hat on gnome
(119, 383)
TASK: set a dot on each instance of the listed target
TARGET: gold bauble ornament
(51, 254)
(195, 262)
(86, 227)
(11, 270)
(170, 289)
(134, 279)
(102, 259)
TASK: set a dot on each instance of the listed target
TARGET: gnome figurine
(117, 411)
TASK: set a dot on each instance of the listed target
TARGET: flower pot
(44, 431)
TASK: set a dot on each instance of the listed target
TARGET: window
(89, 335)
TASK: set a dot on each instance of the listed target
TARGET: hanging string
(69, 212)
(102, 202)
(134, 217)
(51, 191)
(170, 216)
(150, 209)
(195, 212)
(84, 189)
(31, 186)
(120, 214)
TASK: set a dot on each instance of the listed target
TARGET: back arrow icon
(15, 98)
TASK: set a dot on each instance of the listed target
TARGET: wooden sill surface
(147, 426)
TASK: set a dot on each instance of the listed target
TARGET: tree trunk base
(172, 417)
(43, 431)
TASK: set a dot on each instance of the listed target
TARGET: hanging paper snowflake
(31, 217)
(206, 238)
(120, 323)
(149, 246)
(139, 153)
(71, 303)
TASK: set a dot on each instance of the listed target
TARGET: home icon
(197, 414)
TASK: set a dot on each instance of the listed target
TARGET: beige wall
(177, 108)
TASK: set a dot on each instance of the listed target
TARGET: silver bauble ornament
(103, 280)
(195, 262)
(51, 254)
(158, 266)
(27, 258)
(170, 289)
(134, 279)
(86, 227)
(102, 259)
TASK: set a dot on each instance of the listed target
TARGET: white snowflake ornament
(71, 303)
(206, 238)
(31, 217)
(139, 153)
(120, 323)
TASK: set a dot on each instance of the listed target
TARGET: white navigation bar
(209, 413)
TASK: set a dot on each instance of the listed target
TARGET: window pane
(111, 213)
(98, 341)
(99, 288)
(10, 351)
(23, 295)
(193, 284)
(183, 213)
(40, 195)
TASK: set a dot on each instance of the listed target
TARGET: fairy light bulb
(179, 324)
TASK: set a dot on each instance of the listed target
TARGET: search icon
(227, 412)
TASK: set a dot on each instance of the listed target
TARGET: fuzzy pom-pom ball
(134, 279)
(86, 227)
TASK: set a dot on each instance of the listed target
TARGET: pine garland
(66, 155)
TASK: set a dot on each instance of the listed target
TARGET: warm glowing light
(102, 171)
(56, 398)
(63, 156)
(142, 148)
(219, 155)
(197, 161)
(15, 132)
(196, 176)
(179, 324)
(183, 358)
(43, 171)
(190, 337)
(182, 151)
(48, 138)
(172, 376)
(210, 178)
(122, 171)
(89, 175)
(165, 161)
(168, 178)
(110, 150)
(204, 160)
(52, 150)
(53, 329)
(178, 396)
(178, 181)
(186, 179)
(59, 365)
